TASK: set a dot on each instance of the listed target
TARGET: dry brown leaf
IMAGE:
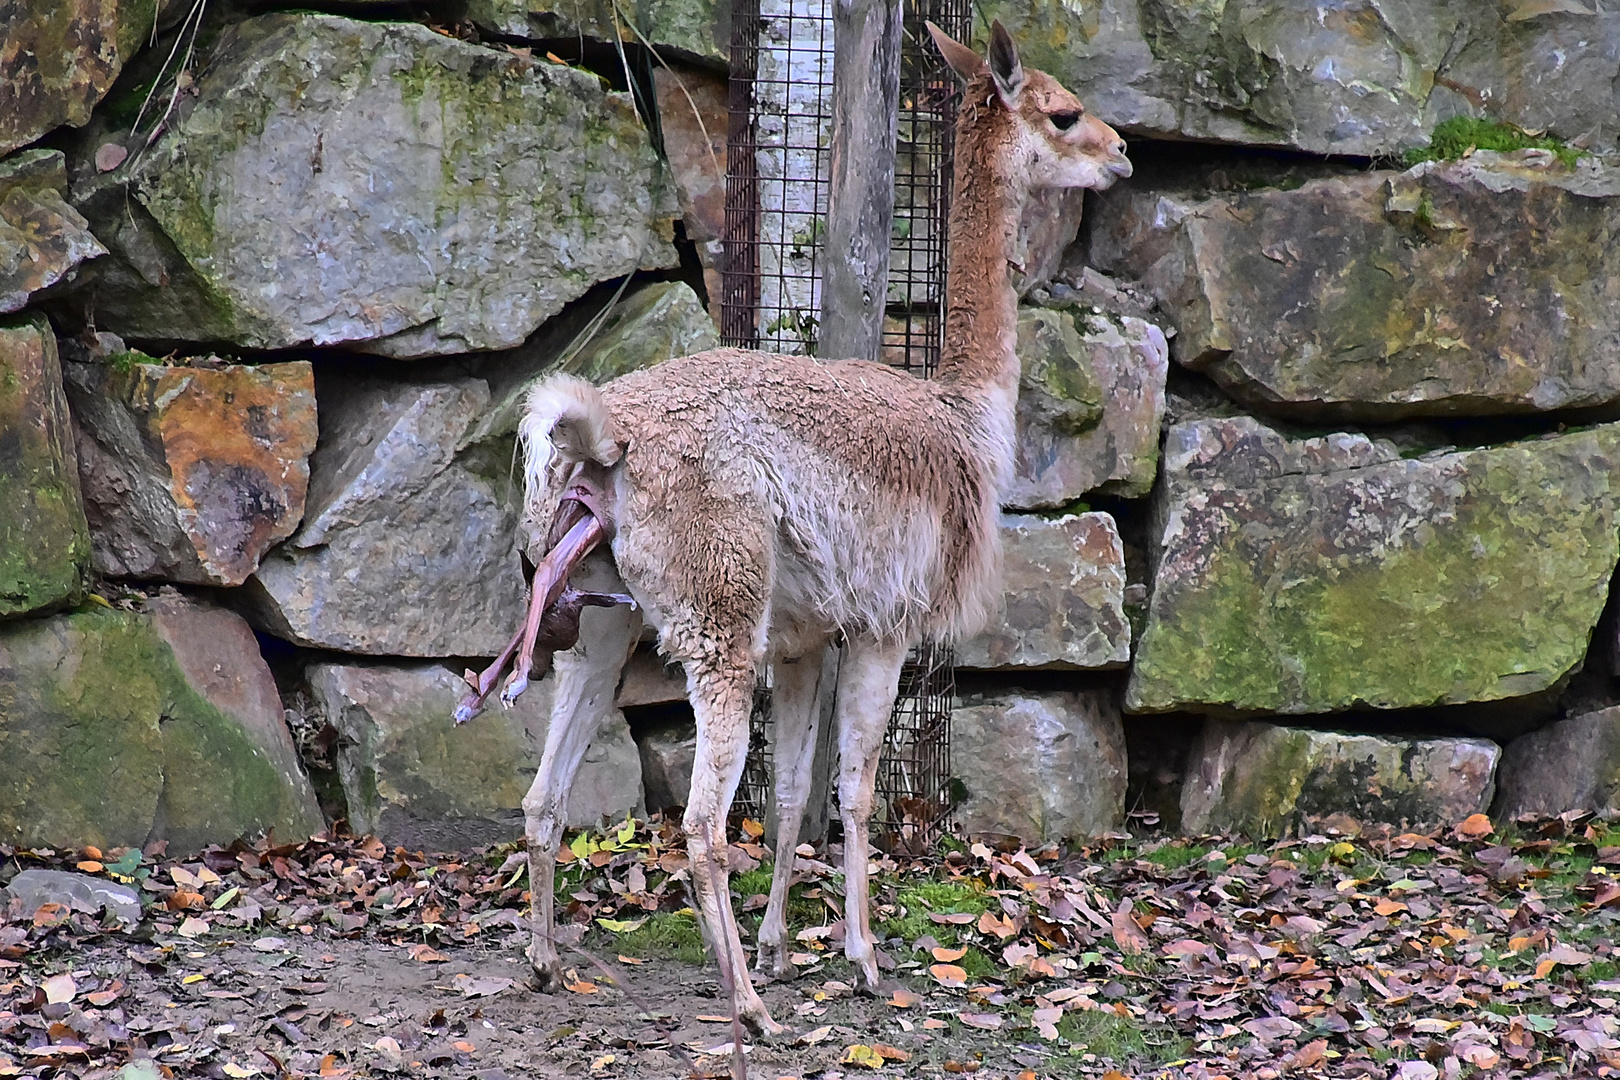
(1475, 827)
(948, 975)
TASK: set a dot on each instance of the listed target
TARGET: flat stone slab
(1264, 781)
(696, 28)
(1573, 764)
(171, 711)
(1090, 405)
(1039, 765)
(44, 540)
(1064, 595)
(411, 776)
(1487, 285)
(377, 185)
(59, 58)
(1367, 79)
(42, 238)
(192, 473)
(1314, 575)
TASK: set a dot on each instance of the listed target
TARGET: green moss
(125, 362)
(1517, 565)
(1457, 136)
(1114, 1038)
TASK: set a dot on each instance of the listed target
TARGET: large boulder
(191, 473)
(1063, 584)
(44, 541)
(42, 238)
(1313, 575)
(57, 59)
(1362, 77)
(377, 185)
(403, 551)
(697, 29)
(411, 776)
(1039, 765)
(1090, 403)
(123, 727)
(1486, 285)
(1573, 764)
(409, 545)
(1264, 780)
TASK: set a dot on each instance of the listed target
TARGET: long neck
(979, 359)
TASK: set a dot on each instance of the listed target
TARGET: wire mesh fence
(776, 203)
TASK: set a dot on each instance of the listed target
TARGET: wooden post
(860, 197)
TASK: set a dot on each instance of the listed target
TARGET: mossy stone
(1264, 780)
(44, 540)
(107, 743)
(1308, 576)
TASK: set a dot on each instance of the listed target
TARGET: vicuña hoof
(545, 974)
(772, 962)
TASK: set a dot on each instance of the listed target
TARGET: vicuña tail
(565, 422)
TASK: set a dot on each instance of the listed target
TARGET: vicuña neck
(981, 308)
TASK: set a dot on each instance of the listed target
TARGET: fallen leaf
(427, 954)
(948, 975)
(598, 1064)
(948, 956)
(580, 986)
(192, 927)
(950, 919)
(1127, 935)
(481, 986)
(231, 1068)
(890, 1053)
(1475, 827)
(986, 1021)
(59, 989)
(862, 1056)
(904, 999)
(109, 156)
(810, 1038)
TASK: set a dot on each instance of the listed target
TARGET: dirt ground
(1474, 951)
(317, 1005)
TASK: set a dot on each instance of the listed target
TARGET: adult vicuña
(760, 505)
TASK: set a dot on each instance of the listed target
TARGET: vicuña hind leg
(866, 690)
(587, 677)
(796, 714)
(722, 696)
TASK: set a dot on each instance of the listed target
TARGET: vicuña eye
(1063, 121)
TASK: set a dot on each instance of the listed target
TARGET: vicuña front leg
(721, 700)
(587, 676)
(796, 714)
(867, 685)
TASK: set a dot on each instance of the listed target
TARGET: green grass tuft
(1455, 137)
(664, 936)
(945, 897)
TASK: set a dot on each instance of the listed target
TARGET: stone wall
(1313, 522)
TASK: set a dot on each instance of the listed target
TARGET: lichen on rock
(1314, 575)
(385, 187)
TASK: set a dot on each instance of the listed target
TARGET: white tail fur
(565, 422)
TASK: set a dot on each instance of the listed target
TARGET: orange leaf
(1388, 907)
(948, 956)
(948, 975)
(890, 1053)
(1475, 827)
(753, 828)
(91, 852)
(427, 954)
(464, 1046)
(89, 866)
(580, 986)
(904, 999)
(1127, 935)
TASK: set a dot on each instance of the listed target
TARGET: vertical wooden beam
(860, 198)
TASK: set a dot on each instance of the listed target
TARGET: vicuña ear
(963, 60)
(1005, 69)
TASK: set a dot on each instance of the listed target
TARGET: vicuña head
(1049, 140)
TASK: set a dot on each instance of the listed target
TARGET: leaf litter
(1470, 951)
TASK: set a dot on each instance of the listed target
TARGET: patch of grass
(978, 965)
(1597, 971)
(753, 882)
(1173, 856)
(664, 936)
(1115, 1038)
(1455, 137)
(945, 897)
